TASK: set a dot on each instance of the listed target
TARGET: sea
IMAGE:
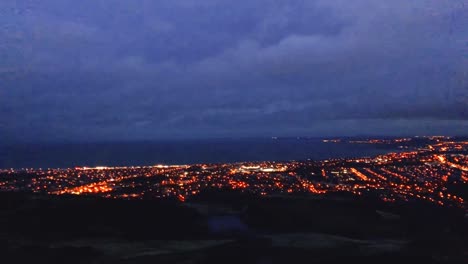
(178, 152)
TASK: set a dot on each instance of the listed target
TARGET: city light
(421, 173)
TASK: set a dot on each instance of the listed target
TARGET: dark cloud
(74, 70)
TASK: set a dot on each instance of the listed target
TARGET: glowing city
(436, 173)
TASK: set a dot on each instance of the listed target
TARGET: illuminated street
(434, 173)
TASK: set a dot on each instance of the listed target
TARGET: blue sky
(131, 70)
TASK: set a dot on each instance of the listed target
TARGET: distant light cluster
(435, 173)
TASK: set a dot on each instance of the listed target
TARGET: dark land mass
(228, 227)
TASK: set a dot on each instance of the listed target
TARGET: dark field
(228, 227)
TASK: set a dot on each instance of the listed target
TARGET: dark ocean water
(176, 152)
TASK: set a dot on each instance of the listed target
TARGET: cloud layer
(78, 70)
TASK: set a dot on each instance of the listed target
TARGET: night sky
(141, 70)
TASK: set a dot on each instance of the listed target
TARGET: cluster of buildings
(435, 173)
